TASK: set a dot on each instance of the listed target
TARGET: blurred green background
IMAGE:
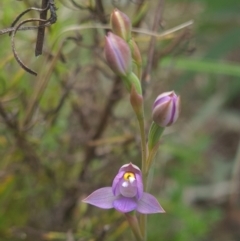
(66, 132)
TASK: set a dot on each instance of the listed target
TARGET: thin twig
(164, 33)
(10, 123)
(41, 30)
(67, 88)
(30, 156)
(46, 4)
(114, 96)
(23, 28)
(100, 11)
(151, 48)
(233, 199)
(171, 47)
(26, 11)
(77, 5)
(27, 69)
(37, 94)
(101, 26)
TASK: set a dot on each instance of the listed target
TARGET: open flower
(126, 193)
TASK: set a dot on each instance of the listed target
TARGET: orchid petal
(116, 183)
(125, 204)
(149, 204)
(130, 168)
(162, 98)
(139, 186)
(102, 198)
(128, 189)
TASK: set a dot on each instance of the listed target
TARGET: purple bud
(166, 109)
(118, 54)
(121, 24)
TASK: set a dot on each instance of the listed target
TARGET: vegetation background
(67, 131)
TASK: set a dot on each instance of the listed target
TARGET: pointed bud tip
(136, 55)
(121, 24)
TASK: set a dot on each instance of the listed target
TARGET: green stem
(136, 100)
(133, 222)
(143, 217)
(137, 104)
(144, 148)
(143, 225)
(151, 156)
(154, 135)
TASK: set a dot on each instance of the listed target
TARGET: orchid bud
(121, 24)
(136, 55)
(166, 109)
(136, 101)
(118, 54)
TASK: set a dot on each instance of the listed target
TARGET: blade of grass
(202, 66)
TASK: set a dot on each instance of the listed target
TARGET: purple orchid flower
(126, 193)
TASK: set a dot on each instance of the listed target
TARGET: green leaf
(203, 65)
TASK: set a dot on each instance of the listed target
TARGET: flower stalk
(133, 223)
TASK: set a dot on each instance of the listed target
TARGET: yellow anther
(128, 175)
